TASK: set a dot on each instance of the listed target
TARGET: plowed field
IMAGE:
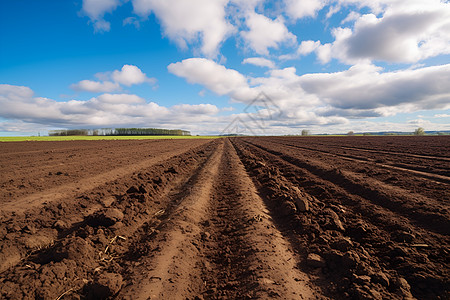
(237, 218)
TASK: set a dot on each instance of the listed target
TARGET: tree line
(118, 132)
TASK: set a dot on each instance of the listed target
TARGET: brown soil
(241, 218)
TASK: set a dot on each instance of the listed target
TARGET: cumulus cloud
(120, 99)
(214, 77)
(189, 21)
(287, 102)
(362, 91)
(323, 52)
(96, 9)
(367, 87)
(186, 22)
(352, 16)
(394, 31)
(129, 75)
(20, 105)
(306, 47)
(297, 9)
(264, 33)
(398, 37)
(196, 109)
(95, 86)
(260, 62)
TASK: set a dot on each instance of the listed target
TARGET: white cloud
(120, 99)
(282, 86)
(189, 21)
(21, 107)
(362, 91)
(332, 10)
(420, 122)
(131, 21)
(230, 108)
(441, 116)
(297, 9)
(196, 109)
(101, 26)
(96, 9)
(405, 32)
(130, 75)
(324, 53)
(365, 87)
(213, 76)
(260, 62)
(265, 33)
(306, 47)
(352, 16)
(95, 86)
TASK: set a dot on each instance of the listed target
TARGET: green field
(95, 138)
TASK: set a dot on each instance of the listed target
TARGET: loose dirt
(239, 218)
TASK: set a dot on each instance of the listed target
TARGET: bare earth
(238, 218)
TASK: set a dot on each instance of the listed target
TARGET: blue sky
(328, 66)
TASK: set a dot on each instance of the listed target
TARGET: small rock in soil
(343, 244)
(336, 222)
(107, 201)
(315, 261)
(302, 204)
(61, 225)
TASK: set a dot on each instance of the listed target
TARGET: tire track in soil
(416, 208)
(248, 258)
(168, 266)
(219, 243)
(404, 167)
(70, 190)
(140, 198)
(398, 153)
(384, 244)
(430, 188)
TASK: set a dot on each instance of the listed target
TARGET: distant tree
(305, 132)
(419, 131)
(350, 133)
(367, 133)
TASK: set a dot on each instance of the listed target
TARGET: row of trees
(68, 132)
(118, 132)
(150, 131)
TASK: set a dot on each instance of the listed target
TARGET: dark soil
(240, 218)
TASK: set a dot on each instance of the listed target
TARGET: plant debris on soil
(232, 218)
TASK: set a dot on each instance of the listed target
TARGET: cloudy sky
(213, 66)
